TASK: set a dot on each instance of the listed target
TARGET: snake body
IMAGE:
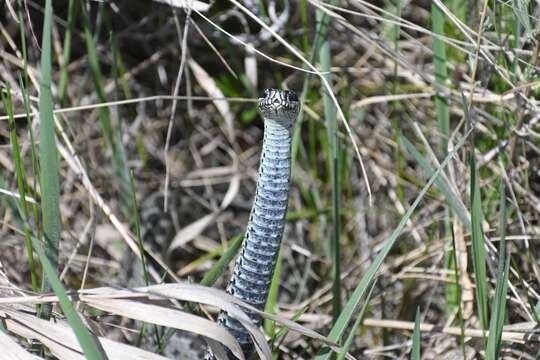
(254, 267)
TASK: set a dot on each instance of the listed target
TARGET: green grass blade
(457, 288)
(204, 258)
(347, 345)
(50, 191)
(478, 248)
(297, 141)
(440, 183)
(62, 84)
(50, 194)
(334, 164)
(393, 34)
(439, 61)
(521, 11)
(221, 265)
(536, 311)
(112, 136)
(502, 222)
(23, 41)
(417, 338)
(91, 347)
(27, 111)
(273, 295)
(497, 314)
(297, 145)
(120, 70)
(136, 221)
(499, 302)
(280, 335)
(304, 18)
(33, 148)
(21, 185)
(349, 309)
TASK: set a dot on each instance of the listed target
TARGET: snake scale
(254, 267)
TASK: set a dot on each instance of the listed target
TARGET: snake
(254, 267)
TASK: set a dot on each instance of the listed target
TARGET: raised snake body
(254, 267)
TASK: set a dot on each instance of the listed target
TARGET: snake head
(281, 106)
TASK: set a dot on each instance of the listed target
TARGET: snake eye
(291, 96)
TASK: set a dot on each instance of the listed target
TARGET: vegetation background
(414, 212)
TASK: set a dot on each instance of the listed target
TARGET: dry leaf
(233, 189)
(61, 340)
(163, 316)
(210, 87)
(191, 231)
(11, 350)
